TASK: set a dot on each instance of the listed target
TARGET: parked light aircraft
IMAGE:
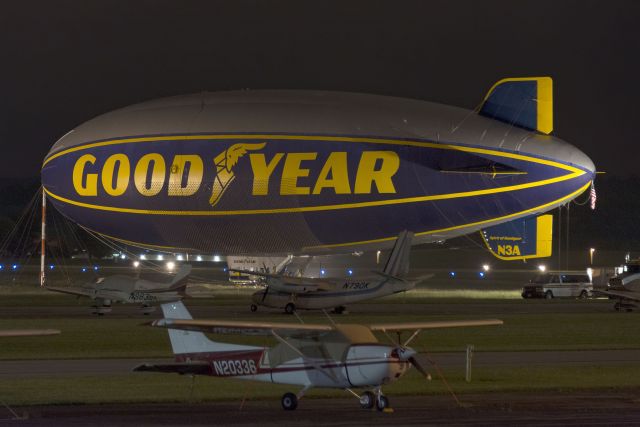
(127, 289)
(345, 356)
(625, 288)
(293, 293)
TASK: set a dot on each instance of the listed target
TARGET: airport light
(591, 251)
(224, 269)
(50, 267)
(486, 267)
(171, 265)
(123, 256)
(160, 258)
(136, 264)
(481, 274)
(1, 267)
(95, 268)
(179, 258)
(452, 273)
(542, 268)
(84, 269)
(216, 258)
(199, 258)
(143, 256)
(322, 272)
(350, 272)
(14, 266)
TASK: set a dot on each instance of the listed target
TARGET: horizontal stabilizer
(524, 238)
(27, 332)
(525, 102)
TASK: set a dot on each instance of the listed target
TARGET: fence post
(467, 376)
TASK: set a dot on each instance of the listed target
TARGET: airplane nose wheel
(253, 308)
(289, 401)
(382, 402)
(367, 400)
(289, 308)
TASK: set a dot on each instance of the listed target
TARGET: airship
(288, 171)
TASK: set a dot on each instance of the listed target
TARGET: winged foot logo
(224, 162)
(305, 173)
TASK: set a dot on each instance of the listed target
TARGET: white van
(558, 285)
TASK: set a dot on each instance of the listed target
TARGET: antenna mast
(42, 234)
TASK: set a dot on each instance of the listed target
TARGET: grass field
(149, 387)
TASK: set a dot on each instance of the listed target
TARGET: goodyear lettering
(356, 285)
(235, 367)
(509, 250)
(299, 173)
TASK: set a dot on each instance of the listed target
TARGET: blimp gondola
(266, 171)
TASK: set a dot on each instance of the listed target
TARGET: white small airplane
(344, 356)
(126, 289)
(292, 293)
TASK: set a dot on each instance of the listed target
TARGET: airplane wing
(191, 368)
(628, 295)
(27, 332)
(243, 328)
(72, 291)
(391, 327)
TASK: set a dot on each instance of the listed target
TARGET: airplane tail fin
(398, 262)
(187, 342)
(180, 280)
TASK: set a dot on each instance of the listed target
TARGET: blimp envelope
(255, 172)
(524, 238)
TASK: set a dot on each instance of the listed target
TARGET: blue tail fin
(524, 101)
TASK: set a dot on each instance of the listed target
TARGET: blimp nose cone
(579, 158)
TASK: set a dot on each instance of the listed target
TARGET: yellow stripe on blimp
(471, 224)
(573, 173)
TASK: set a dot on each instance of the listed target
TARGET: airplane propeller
(409, 355)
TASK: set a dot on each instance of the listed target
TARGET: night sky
(64, 62)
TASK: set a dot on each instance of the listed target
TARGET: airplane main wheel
(367, 400)
(253, 308)
(289, 308)
(382, 402)
(289, 401)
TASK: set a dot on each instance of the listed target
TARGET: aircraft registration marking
(235, 367)
(141, 296)
(356, 285)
